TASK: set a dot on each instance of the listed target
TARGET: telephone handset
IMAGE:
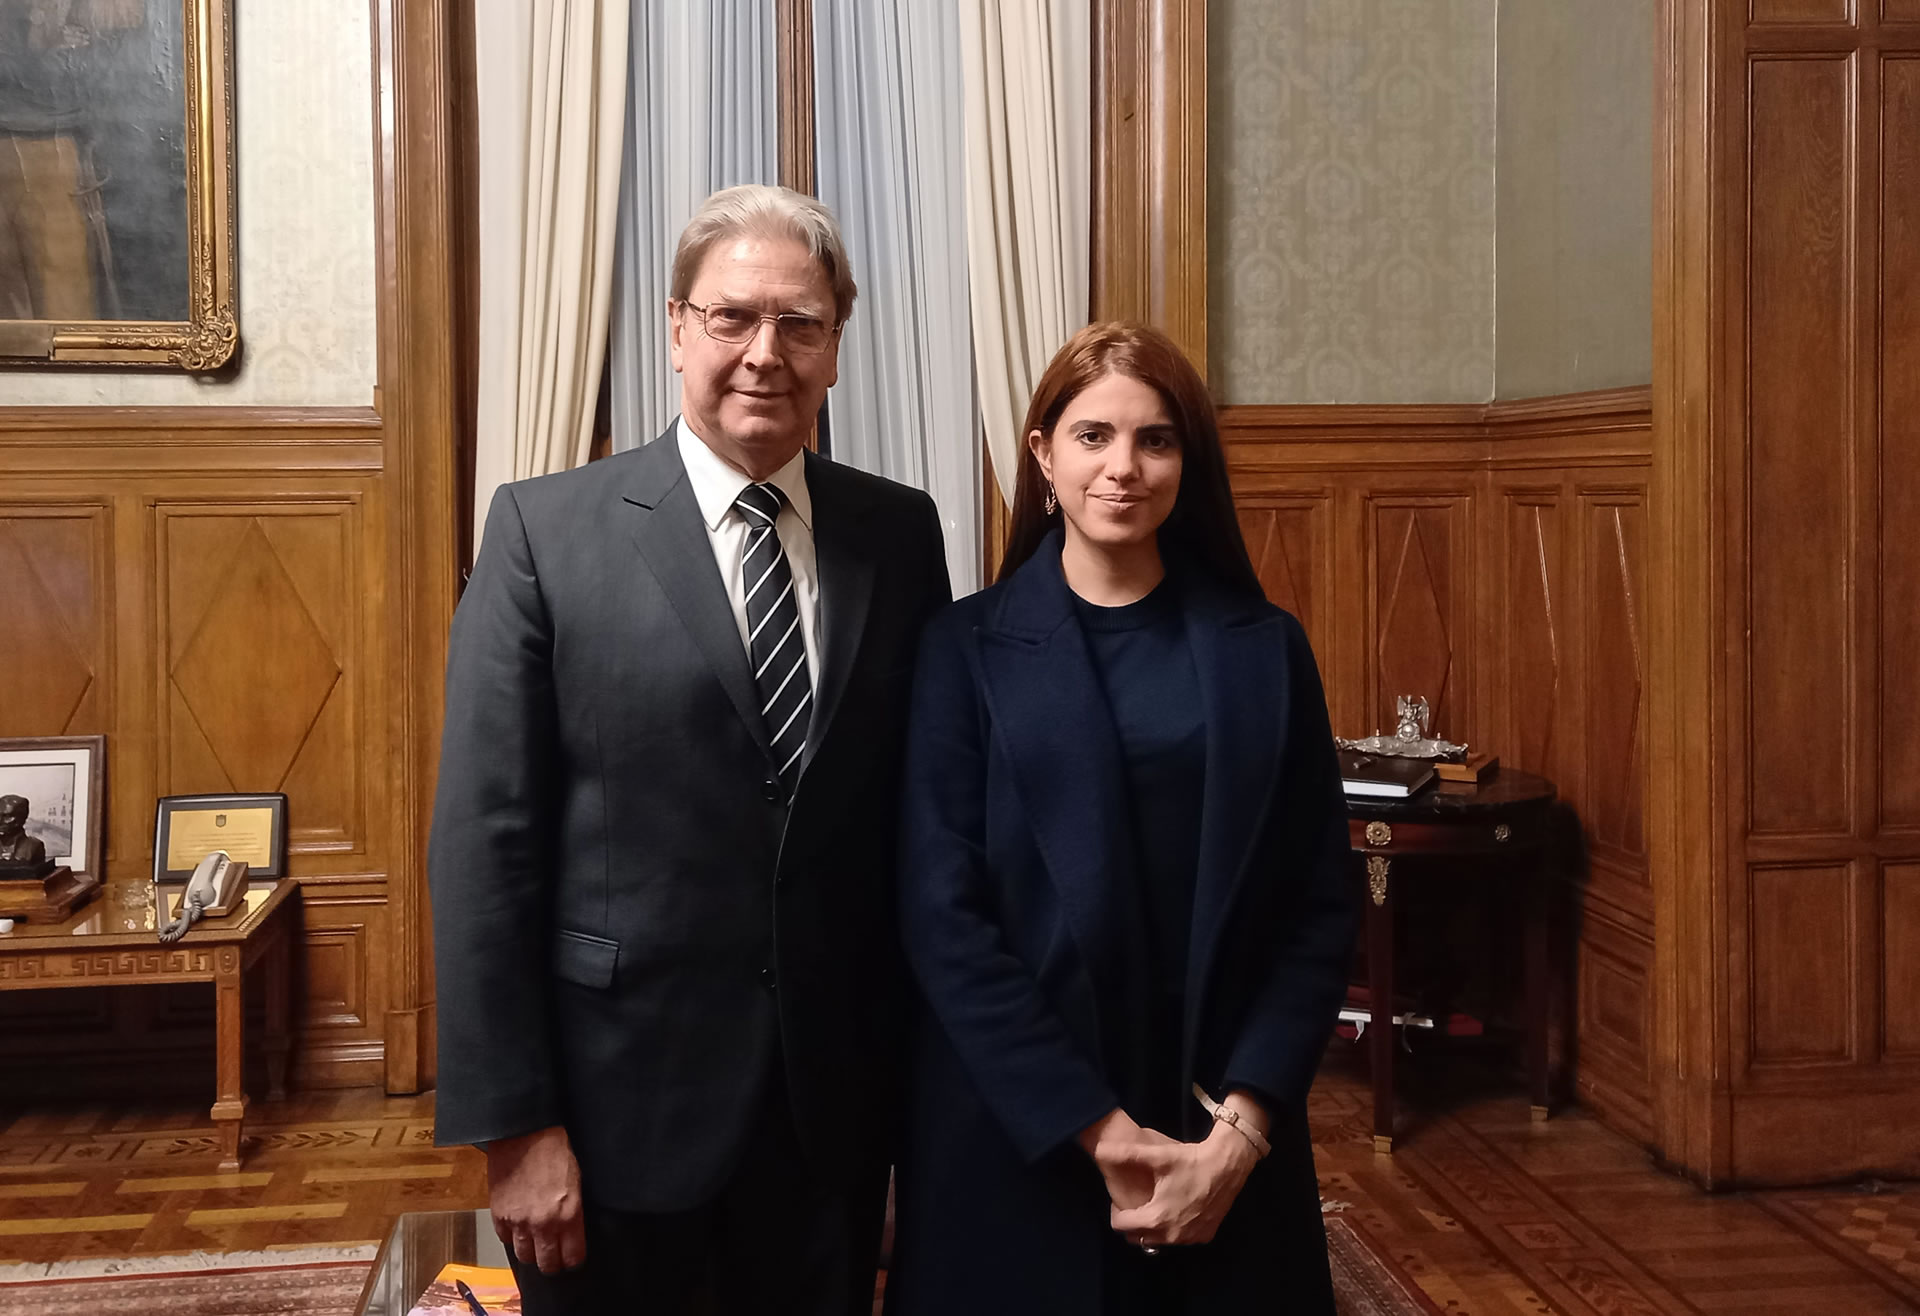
(217, 881)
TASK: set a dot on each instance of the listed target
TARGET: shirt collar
(716, 485)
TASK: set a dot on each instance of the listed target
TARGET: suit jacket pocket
(588, 961)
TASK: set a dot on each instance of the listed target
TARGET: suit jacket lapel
(1240, 658)
(673, 543)
(1049, 712)
(844, 558)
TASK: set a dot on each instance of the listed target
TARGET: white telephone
(217, 881)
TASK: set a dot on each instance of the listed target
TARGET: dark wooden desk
(1455, 831)
(111, 943)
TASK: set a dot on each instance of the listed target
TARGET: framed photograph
(117, 183)
(188, 828)
(63, 781)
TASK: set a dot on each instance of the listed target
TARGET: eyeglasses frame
(780, 331)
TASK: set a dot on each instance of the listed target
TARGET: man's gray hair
(760, 210)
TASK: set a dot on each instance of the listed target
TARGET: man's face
(754, 402)
(13, 817)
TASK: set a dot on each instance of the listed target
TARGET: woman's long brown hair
(1202, 529)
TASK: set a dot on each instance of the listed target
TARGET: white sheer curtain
(888, 150)
(551, 80)
(700, 117)
(1029, 163)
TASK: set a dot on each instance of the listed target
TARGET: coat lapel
(1239, 655)
(673, 543)
(844, 557)
(1052, 718)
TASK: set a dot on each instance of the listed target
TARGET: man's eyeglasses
(738, 324)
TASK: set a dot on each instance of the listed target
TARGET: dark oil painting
(93, 160)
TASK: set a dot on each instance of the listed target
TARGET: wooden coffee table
(111, 943)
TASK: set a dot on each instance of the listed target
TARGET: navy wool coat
(1028, 942)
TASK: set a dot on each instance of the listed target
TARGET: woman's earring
(1051, 502)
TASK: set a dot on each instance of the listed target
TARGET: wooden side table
(111, 943)
(1452, 830)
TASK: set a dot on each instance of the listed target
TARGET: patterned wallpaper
(304, 117)
(1351, 200)
(1575, 208)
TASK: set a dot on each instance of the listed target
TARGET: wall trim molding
(201, 424)
(1610, 427)
(1612, 410)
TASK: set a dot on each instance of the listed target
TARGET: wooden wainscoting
(1492, 559)
(256, 599)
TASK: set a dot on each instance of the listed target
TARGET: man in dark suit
(662, 853)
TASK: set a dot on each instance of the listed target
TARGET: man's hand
(533, 1186)
(1194, 1184)
(1112, 1142)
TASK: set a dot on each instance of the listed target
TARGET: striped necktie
(774, 644)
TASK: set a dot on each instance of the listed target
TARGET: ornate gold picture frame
(117, 240)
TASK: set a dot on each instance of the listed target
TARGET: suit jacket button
(768, 979)
(770, 791)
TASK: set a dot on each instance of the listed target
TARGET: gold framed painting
(117, 183)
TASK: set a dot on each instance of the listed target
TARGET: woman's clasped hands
(1165, 1192)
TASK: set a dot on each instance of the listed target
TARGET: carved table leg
(277, 982)
(1380, 997)
(1540, 986)
(230, 1017)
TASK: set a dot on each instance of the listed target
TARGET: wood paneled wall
(1787, 824)
(1493, 559)
(249, 599)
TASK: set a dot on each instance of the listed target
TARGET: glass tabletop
(419, 1245)
(127, 907)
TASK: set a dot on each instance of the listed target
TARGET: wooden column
(1784, 774)
(1150, 167)
(793, 21)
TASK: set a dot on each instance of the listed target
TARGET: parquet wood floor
(135, 1179)
(1488, 1212)
(1494, 1215)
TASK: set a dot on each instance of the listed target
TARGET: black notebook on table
(1383, 776)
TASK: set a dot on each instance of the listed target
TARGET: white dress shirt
(715, 487)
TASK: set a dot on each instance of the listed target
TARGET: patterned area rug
(294, 1283)
(1365, 1282)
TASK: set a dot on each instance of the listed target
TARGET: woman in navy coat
(1123, 851)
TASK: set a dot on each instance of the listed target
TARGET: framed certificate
(250, 828)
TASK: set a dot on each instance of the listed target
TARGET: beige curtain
(552, 84)
(1026, 68)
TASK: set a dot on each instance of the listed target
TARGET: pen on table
(472, 1302)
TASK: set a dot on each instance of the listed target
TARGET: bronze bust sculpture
(21, 855)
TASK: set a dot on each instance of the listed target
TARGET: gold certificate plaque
(250, 828)
(245, 834)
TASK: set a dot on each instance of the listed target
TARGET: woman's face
(1114, 462)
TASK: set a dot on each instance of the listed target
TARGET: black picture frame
(80, 762)
(208, 814)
